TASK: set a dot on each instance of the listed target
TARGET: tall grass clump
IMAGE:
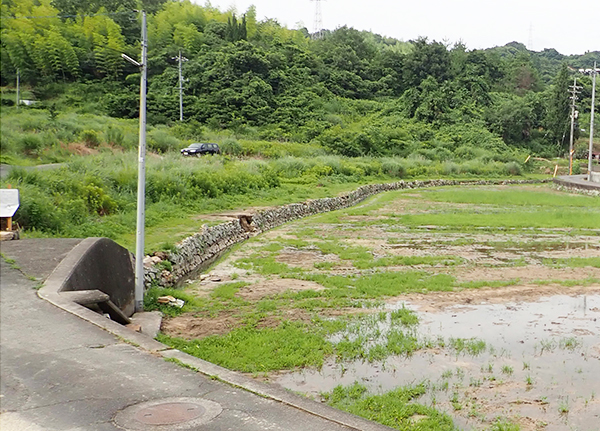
(232, 147)
(393, 167)
(161, 141)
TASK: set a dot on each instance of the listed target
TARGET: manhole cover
(168, 414)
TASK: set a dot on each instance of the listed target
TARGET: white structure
(9, 203)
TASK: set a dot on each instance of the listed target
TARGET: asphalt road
(61, 372)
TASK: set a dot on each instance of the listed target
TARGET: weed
(181, 364)
(569, 343)
(507, 369)
(563, 406)
(471, 346)
(459, 372)
(456, 404)
(447, 374)
(8, 260)
(404, 316)
(489, 368)
(475, 382)
(395, 408)
(546, 346)
(501, 424)
(529, 380)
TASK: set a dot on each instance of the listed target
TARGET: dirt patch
(304, 259)
(436, 301)
(276, 286)
(190, 326)
(526, 273)
(80, 149)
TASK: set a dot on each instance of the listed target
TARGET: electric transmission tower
(530, 41)
(318, 25)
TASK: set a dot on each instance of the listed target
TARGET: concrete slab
(37, 257)
(149, 321)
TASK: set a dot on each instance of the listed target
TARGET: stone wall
(199, 250)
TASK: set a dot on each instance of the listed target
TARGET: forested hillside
(355, 93)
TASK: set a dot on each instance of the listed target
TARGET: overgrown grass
(287, 346)
(396, 409)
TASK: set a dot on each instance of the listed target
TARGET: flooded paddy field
(539, 367)
(484, 302)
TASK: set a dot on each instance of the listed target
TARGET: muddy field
(530, 295)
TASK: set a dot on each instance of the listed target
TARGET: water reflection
(541, 364)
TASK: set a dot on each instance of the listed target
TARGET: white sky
(569, 27)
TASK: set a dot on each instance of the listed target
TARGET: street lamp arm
(131, 60)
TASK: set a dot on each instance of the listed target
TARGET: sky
(568, 27)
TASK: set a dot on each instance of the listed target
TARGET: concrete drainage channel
(168, 414)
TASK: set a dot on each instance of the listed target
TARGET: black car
(201, 149)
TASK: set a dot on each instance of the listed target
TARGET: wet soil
(539, 370)
(541, 364)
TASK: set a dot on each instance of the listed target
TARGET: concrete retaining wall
(103, 265)
(198, 251)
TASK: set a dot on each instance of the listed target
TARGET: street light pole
(141, 192)
(594, 73)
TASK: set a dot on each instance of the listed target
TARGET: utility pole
(594, 73)
(180, 60)
(18, 86)
(141, 192)
(574, 90)
(180, 90)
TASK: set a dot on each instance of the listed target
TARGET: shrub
(231, 146)
(98, 201)
(450, 168)
(290, 167)
(114, 135)
(90, 138)
(394, 168)
(31, 143)
(512, 168)
(161, 141)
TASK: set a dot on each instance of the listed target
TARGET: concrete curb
(578, 183)
(50, 292)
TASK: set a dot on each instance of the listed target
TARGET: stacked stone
(197, 250)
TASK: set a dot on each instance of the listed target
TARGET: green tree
(426, 59)
(558, 111)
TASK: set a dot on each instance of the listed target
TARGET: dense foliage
(354, 92)
(292, 113)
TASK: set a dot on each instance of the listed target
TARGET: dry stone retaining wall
(198, 250)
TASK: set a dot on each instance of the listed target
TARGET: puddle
(540, 369)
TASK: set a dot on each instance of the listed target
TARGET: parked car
(201, 149)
